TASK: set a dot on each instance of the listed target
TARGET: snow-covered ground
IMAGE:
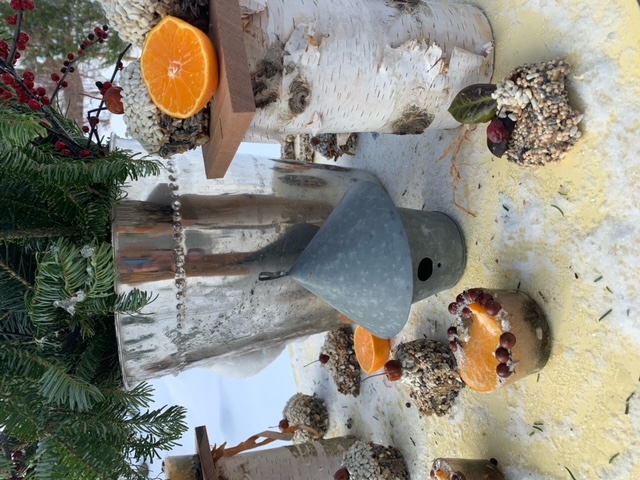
(565, 233)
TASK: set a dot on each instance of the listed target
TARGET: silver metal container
(200, 244)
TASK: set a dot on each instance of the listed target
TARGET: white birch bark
(308, 461)
(335, 66)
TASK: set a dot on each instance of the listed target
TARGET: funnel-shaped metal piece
(360, 262)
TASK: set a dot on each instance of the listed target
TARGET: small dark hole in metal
(439, 265)
(425, 269)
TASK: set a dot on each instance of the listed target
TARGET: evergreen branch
(58, 387)
(21, 234)
(19, 128)
(15, 275)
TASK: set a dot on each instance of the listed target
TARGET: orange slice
(179, 67)
(478, 367)
(372, 352)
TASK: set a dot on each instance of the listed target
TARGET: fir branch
(15, 275)
(58, 387)
(21, 234)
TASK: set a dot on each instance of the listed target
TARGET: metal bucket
(200, 244)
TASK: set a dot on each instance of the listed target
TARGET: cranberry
(393, 370)
(496, 131)
(283, 424)
(341, 474)
(323, 358)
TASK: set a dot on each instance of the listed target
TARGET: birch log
(335, 66)
(317, 460)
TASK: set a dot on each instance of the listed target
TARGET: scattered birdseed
(429, 371)
(546, 126)
(342, 364)
(366, 461)
(308, 411)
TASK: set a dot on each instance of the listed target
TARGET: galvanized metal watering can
(200, 244)
(372, 261)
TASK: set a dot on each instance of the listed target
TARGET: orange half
(372, 352)
(179, 67)
(478, 367)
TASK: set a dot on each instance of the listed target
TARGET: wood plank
(232, 107)
(203, 449)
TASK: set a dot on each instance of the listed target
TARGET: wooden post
(203, 448)
(233, 107)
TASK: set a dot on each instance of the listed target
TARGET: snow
(568, 236)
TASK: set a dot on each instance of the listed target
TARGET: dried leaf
(473, 104)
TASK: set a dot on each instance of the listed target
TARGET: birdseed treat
(342, 363)
(333, 146)
(182, 467)
(307, 411)
(429, 372)
(366, 461)
(465, 469)
(499, 336)
(535, 97)
(157, 132)
(297, 147)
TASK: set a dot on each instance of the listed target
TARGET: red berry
(323, 358)
(16, 57)
(17, 455)
(81, 52)
(41, 91)
(66, 151)
(24, 37)
(496, 131)
(64, 84)
(84, 44)
(21, 46)
(5, 95)
(70, 56)
(85, 129)
(93, 121)
(8, 79)
(34, 104)
(12, 20)
(28, 76)
(59, 145)
(98, 31)
(45, 100)
(55, 77)
(85, 153)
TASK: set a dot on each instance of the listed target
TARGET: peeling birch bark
(352, 66)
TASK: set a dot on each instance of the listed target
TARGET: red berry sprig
(21, 87)
(99, 35)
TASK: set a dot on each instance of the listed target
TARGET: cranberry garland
(21, 88)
